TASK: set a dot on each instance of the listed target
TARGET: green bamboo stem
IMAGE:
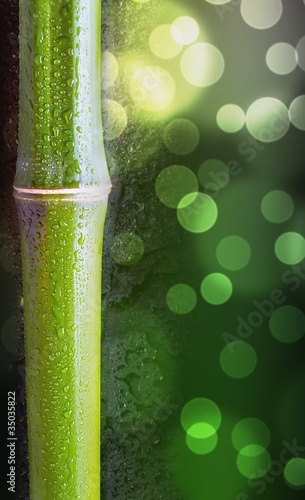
(61, 189)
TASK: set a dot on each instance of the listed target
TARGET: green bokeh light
(294, 473)
(201, 430)
(181, 136)
(213, 174)
(287, 324)
(152, 88)
(233, 253)
(181, 299)
(282, 58)
(114, 119)
(201, 438)
(253, 461)
(162, 43)
(127, 249)
(175, 182)
(216, 288)
(202, 64)
(249, 431)
(110, 69)
(230, 118)
(200, 410)
(267, 119)
(290, 248)
(239, 214)
(198, 214)
(260, 14)
(297, 112)
(238, 359)
(277, 206)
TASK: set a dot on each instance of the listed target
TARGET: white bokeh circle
(261, 14)
(202, 64)
(282, 58)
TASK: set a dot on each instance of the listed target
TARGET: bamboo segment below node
(61, 251)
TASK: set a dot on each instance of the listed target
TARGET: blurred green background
(204, 275)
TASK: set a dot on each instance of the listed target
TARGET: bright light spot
(202, 64)
(238, 359)
(110, 69)
(162, 43)
(267, 119)
(201, 430)
(131, 63)
(175, 182)
(185, 30)
(201, 438)
(261, 14)
(287, 324)
(290, 248)
(152, 88)
(213, 174)
(301, 53)
(282, 58)
(198, 214)
(114, 119)
(230, 118)
(181, 299)
(216, 288)
(277, 206)
(141, 1)
(181, 136)
(297, 112)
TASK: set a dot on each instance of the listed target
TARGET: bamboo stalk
(61, 189)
